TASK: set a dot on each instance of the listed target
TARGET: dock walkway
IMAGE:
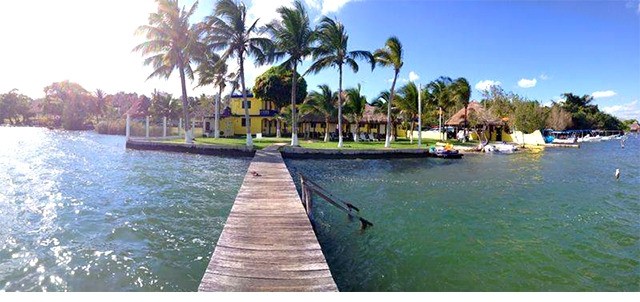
(267, 243)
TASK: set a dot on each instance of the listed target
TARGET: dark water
(551, 221)
(78, 212)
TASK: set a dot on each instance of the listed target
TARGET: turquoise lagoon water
(79, 212)
(551, 221)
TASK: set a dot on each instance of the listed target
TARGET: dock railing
(309, 187)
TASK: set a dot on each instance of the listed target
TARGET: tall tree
(212, 71)
(74, 103)
(333, 52)
(294, 38)
(229, 32)
(172, 43)
(354, 107)
(274, 85)
(381, 102)
(408, 104)
(462, 96)
(322, 103)
(390, 55)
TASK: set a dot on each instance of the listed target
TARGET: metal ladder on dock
(309, 187)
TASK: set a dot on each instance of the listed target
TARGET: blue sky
(538, 49)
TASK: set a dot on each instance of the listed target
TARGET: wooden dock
(267, 243)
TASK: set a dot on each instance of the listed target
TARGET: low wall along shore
(231, 151)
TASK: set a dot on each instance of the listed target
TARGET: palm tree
(101, 102)
(333, 52)
(172, 44)
(354, 107)
(294, 37)
(323, 103)
(381, 102)
(211, 71)
(390, 55)
(462, 95)
(407, 102)
(441, 94)
(229, 32)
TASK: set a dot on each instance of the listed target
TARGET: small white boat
(569, 140)
(589, 138)
(501, 148)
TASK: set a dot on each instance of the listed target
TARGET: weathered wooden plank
(218, 282)
(267, 243)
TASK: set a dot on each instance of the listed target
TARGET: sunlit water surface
(551, 221)
(79, 212)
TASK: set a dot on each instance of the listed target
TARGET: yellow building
(262, 115)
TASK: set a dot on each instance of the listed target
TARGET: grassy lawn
(319, 144)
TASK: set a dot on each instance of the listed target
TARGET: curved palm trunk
(387, 141)
(326, 129)
(294, 126)
(216, 121)
(244, 100)
(185, 109)
(340, 107)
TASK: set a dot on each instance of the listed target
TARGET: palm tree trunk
(244, 100)
(294, 126)
(216, 121)
(387, 142)
(411, 132)
(326, 129)
(340, 107)
(185, 109)
(278, 133)
(465, 120)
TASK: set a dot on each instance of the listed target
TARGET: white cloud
(486, 85)
(560, 99)
(603, 94)
(413, 76)
(544, 77)
(526, 83)
(327, 6)
(624, 111)
(266, 10)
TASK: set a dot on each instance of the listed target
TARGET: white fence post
(128, 126)
(147, 126)
(164, 126)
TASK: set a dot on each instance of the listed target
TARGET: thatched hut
(480, 120)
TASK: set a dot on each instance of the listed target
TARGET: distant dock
(268, 243)
(562, 145)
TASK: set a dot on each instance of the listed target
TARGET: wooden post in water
(128, 127)
(146, 127)
(164, 126)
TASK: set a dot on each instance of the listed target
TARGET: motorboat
(500, 148)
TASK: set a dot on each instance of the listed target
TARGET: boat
(445, 152)
(500, 148)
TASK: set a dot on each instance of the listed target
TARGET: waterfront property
(264, 117)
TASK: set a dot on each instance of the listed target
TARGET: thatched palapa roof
(473, 108)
